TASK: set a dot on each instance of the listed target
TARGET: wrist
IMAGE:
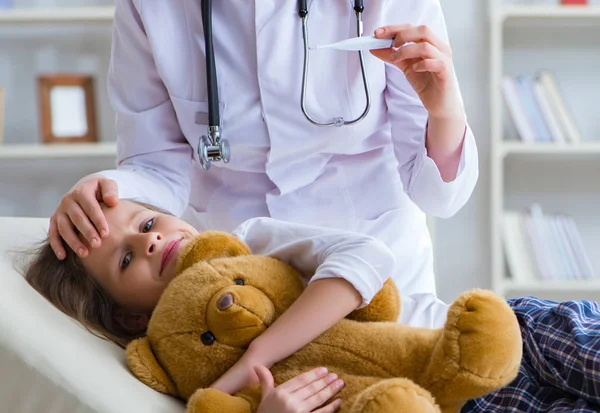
(254, 356)
(449, 117)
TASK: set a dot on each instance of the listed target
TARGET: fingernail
(59, 255)
(339, 384)
(322, 371)
(332, 377)
(379, 31)
(93, 242)
(103, 233)
(108, 194)
(80, 252)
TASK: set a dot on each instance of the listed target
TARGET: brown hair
(72, 290)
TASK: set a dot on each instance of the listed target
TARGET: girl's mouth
(169, 252)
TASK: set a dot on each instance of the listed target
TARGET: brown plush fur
(386, 367)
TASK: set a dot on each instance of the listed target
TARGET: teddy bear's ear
(143, 364)
(209, 245)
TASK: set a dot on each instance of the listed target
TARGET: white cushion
(49, 362)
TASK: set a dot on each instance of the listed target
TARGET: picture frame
(67, 108)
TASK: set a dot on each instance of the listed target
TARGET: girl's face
(135, 263)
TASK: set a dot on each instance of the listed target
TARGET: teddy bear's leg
(394, 395)
(215, 401)
(479, 350)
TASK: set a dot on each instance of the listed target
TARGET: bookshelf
(547, 12)
(515, 182)
(26, 151)
(57, 15)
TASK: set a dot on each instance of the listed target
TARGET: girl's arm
(311, 315)
(349, 269)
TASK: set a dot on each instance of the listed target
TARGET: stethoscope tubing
(211, 147)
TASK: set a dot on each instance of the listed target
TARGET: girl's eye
(148, 225)
(126, 260)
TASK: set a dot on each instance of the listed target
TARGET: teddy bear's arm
(385, 306)
(215, 401)
(145, 367)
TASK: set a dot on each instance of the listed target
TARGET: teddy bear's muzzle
(238, 314)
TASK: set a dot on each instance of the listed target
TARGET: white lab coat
(374, 177)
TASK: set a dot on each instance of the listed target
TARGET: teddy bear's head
(222, 298)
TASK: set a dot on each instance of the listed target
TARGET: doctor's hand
(80, 210)
(304, 393)
(427, 64)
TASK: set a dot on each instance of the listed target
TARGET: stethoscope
(211, 147)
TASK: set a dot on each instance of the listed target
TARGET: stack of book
(538, 109)
(540, 246)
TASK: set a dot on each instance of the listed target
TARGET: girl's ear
(210, 245)
(131, 322)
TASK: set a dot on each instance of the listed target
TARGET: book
(540, 246)
(566, 270)
(524, 85)
(516, 109)
(559, 106)
(541, 235)
(574, 238)
(556, 131)
(517, 248)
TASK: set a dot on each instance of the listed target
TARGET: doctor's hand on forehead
(79, 211)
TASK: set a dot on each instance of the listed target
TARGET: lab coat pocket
(193, 119)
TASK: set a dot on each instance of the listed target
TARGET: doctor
(413, 153)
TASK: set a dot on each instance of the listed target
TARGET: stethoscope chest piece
(213, 149)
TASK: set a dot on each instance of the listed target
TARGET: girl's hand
(80, 210)
(240, 376)
(302, 394)
(427, 65)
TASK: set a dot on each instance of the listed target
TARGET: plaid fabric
(560, 371)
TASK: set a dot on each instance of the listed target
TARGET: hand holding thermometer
(358, 43)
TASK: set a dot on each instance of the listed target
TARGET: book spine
(524, 85)
(516, 110)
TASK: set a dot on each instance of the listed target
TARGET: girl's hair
(72, 290)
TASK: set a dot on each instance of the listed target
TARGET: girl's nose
(151, 241)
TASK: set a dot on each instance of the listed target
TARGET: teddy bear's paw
(214, 401)
(394, 395)
(480, 349)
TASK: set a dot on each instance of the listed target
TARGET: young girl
(114, 289)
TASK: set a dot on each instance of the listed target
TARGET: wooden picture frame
(67, 108)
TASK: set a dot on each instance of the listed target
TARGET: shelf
(585, 12)
(553, 285)
(57, 151)
(580, 149)
(57, 15)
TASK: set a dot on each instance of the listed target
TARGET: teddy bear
(224, 296)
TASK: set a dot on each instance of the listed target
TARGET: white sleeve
(363, 261)
(420, 175)
(153, 157)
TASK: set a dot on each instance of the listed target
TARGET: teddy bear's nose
(225, 302)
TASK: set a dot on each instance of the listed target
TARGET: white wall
(462, 246)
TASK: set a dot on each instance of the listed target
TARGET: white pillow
(50, 363)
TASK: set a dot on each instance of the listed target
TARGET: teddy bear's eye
(239, 282)
(207, 338)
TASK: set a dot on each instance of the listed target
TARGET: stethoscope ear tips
(209, 152)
